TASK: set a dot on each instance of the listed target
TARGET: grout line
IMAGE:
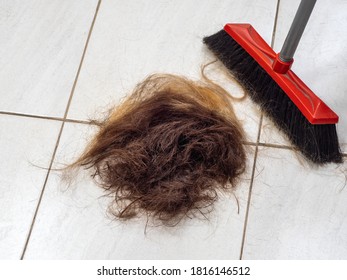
(250, 188)
(248, 143)
(61, 129)
(275, 24)
(269, 145)
(82, 59)
(256, 151)
(276, 146)
(78, 121)
(45, 117)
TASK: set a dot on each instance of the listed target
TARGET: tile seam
(67, 120)
(244, 233)
(44, 117)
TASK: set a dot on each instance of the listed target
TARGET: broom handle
(296, 30)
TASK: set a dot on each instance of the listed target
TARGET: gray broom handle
(296, 29)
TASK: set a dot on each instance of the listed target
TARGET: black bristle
(319, 143)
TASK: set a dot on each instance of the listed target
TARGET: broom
(283, 97)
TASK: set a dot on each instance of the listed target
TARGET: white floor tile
(297, 211)
(320, 60)
(72, 222)
(134, 39)
(24, 144)
(41, 47)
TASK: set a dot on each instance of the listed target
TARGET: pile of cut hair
(167, 150)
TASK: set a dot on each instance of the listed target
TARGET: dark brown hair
(167, 149)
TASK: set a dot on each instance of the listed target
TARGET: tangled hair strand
(167, 149)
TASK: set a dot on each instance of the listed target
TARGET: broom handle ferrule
(296, 30)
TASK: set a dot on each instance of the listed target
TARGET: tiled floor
(63, 62)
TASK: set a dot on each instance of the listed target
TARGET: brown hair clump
(167, 149)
